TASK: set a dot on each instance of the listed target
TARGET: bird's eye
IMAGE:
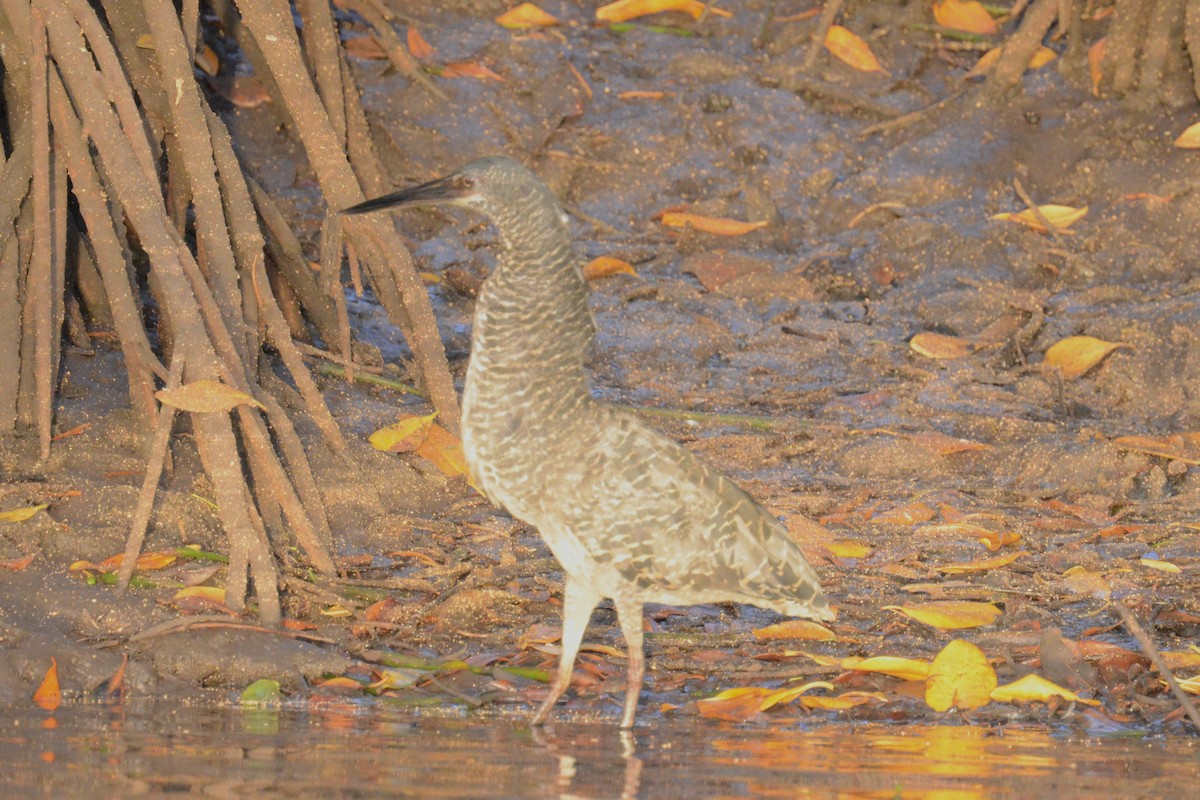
(467, 181)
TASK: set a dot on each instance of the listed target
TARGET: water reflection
(350, 750)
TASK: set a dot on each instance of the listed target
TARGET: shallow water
(156, 750)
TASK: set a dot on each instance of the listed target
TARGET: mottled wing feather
(663, 519)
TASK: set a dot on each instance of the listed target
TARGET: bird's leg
(629, 614)
(578, 603)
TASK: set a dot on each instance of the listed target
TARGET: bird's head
(496, 186)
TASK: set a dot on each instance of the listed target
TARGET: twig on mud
(828, 15)
(912, 117)
(1037, 211)
(335, 371)
(154, 467)
(316, 352)
(827, 91)
(181, 624)
(1139, 633)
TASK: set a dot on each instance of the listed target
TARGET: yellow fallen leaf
(526, 15)
(850, 548)
(337, 610)
(851, 49)
(1060, 217)
(1190, 685)
(21, 514)
(1075, 355)
(1040, 58)
(623, 10)
(949, 615)
(787, 695)
(205, 397)
(715, 225)
(941, 346)
(796, 629)
(959, 677)
(964, 15)
(1035, 689)
(1095, 58)
(1181, 659)
(1161, 566)
(908, 669)
(733, 705)
(842, 701)
(983, 565)
(404, 436)
(604, 266)
(909, 514)
(213, 593)
(954, 529)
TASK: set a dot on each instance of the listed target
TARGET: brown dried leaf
(1095, 58)
(466, 69)
(983, 565)
(365, 47)
(417, 45)
(941, 346)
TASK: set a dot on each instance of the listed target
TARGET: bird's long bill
(437, 191)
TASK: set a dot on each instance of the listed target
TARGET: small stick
(1037, 212)
(823, 24)
(1135, 628)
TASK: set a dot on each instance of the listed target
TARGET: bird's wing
(663, 519)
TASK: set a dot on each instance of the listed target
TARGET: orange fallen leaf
(467, 69)
(1035, 689)
(941, 346)
(909, 514)
(340, 683)
(908, 669)
(526, 15)
(48, 694)
(959, 677)
(945, 445)
(207, 60)
(994, 541)
(983, 565)
(733, 705)
(964, 15)
(444, 450)
(604, 266)
(641, 94)
(17, 564)
(796, 629)
(849, 47)
(247, 91)
(421, 49)
(205, 397)
(365, 47)
(1181, 659)
(1095, 59)
(1060, 217)
(715, 225)
(624, 10)
(949, 615)
(1075, 355)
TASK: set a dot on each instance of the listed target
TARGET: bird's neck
(532, 321)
